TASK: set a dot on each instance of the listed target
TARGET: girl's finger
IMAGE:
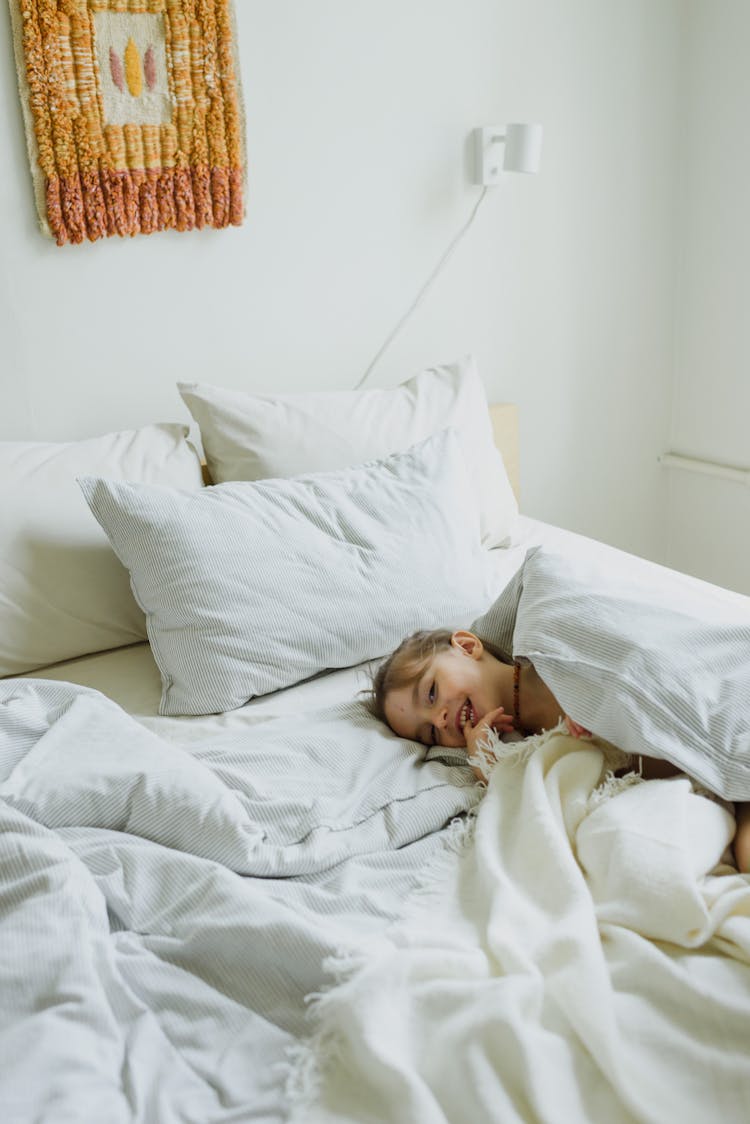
(575, 729)
(498, 719)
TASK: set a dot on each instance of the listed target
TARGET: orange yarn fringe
(104, 179)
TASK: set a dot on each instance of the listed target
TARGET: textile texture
(586, 957)
(133, 114)
(164, 912)
(63, 592)
(652, 661)
(250, 587)
(258, 436)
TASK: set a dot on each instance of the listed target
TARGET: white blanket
(583, 959)
(165, 913)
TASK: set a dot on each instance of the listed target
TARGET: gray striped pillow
(654, 661)
(249, 587)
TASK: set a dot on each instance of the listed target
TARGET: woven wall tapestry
(133, 114)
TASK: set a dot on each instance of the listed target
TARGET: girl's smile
(457, 688)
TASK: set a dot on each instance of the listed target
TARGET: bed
(229, 893)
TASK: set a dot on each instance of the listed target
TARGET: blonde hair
(405, 666)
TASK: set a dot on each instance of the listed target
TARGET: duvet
(165, 913)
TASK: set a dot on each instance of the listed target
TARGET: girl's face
(459, 684)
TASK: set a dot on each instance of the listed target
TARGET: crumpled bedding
(653, 661)
(165, 911)
(585, 957)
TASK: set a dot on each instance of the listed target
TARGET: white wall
(709, 518)
(358, 121)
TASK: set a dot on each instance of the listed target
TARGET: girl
(450, 689)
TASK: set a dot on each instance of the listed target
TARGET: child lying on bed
(450, 688)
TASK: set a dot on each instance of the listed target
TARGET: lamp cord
(424, 290)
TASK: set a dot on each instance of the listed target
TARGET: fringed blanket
(584, 957)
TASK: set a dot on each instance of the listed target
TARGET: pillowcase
(256, 436)
(654, 661)
(249, 587)
(63, 592)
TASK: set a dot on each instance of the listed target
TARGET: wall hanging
(133, 114)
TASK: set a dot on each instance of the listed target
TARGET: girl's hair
(405, 666)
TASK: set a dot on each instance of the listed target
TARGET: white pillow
(249, 587)
(256, 436)
(654, 661)
(63, 592)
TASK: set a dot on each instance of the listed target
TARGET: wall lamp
(497, 149)
(509, 148)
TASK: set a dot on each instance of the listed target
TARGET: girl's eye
(431, 693)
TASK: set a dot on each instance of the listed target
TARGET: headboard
(504, 417)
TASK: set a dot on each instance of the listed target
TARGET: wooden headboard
(504, 417)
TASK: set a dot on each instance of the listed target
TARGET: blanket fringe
(491, 749)
(609, 787)
(306, 1060)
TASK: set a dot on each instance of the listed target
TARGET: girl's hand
(575, 730)
(496, 720)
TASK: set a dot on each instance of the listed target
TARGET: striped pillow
(249, 587)
(654, 661)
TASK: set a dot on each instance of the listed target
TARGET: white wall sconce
(497, 148)
(509, 148)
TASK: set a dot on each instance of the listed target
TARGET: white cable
(423, 291)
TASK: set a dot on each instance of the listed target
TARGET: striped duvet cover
(164, 913)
